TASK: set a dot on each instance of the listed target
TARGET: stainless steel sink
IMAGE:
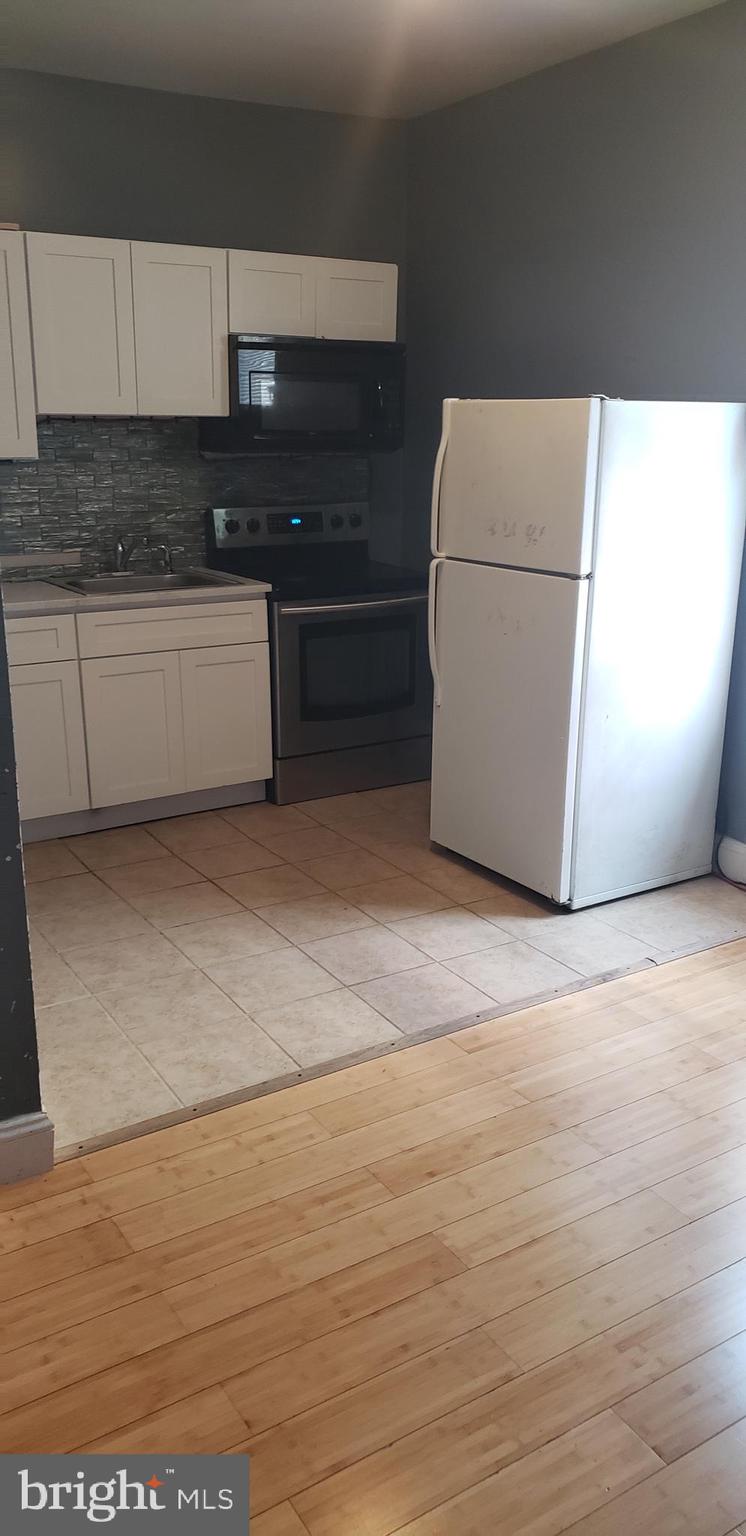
(119, 583)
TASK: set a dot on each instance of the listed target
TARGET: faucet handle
(123, 552)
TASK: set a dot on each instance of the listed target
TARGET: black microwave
(293, 392)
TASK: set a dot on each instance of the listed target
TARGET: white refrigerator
(583, 591)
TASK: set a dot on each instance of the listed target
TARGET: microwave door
(299, 404)
(310, 394)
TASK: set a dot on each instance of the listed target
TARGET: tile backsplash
(97, 477)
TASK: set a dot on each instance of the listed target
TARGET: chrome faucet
(164, 550)
(123, 553)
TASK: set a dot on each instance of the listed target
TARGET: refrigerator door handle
(431, 639)
(437, 477)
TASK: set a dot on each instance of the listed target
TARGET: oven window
(358, 667)
(288, 404)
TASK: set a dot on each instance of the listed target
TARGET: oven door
(349, 673)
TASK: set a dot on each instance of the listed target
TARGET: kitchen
(234, 321)
(139, 353)
(152, 693)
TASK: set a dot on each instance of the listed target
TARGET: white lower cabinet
(49, 738)
(166, 722)
(227, 727)
(118, 729)
(134, 731)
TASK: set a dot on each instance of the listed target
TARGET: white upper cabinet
(280, 295)
(272, 293)
(122, 328)
(81, 316)
(181, 329)
(356, 300)
(17, 404)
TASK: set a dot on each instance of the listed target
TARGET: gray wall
(19, 1068)
(584, 231)
(92, 159)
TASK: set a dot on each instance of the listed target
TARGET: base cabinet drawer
(132, 631)
(49, 739)
(48, 638)
(227, 724)
(134, 727)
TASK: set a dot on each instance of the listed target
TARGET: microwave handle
(437, 477)
(432, 590)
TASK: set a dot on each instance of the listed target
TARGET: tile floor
(192, 958)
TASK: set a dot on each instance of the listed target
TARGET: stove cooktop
(305, 552)
(371, 580)
(330, 577)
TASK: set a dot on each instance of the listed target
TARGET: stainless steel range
(351, 687)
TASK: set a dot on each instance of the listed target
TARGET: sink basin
(125, 581)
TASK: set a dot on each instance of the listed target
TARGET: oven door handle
(387, 602)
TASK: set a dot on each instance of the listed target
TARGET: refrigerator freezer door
(517, 483)
(509, 656)
(672, 499)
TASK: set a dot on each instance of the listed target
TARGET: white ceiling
(388, 58)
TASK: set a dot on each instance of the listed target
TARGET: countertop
(25, 599)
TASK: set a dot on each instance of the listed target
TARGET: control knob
(232, 525)
(253, 525)
(355, 519)
(336, 520)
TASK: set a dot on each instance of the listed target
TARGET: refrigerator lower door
(509, 656)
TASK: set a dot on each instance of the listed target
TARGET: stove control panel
(245, 527)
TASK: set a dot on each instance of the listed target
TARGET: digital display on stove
(287, 522)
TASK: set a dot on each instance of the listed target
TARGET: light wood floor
(493, 1284)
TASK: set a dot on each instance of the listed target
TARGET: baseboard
(75, 822)
(731, 858)
(26, 1147)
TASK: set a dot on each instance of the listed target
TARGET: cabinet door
(134, 727)
(81, 316)
(272, 293)
(227, 722)
(181, 329)
(356, 300)
(17, 403)
(49, 739)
